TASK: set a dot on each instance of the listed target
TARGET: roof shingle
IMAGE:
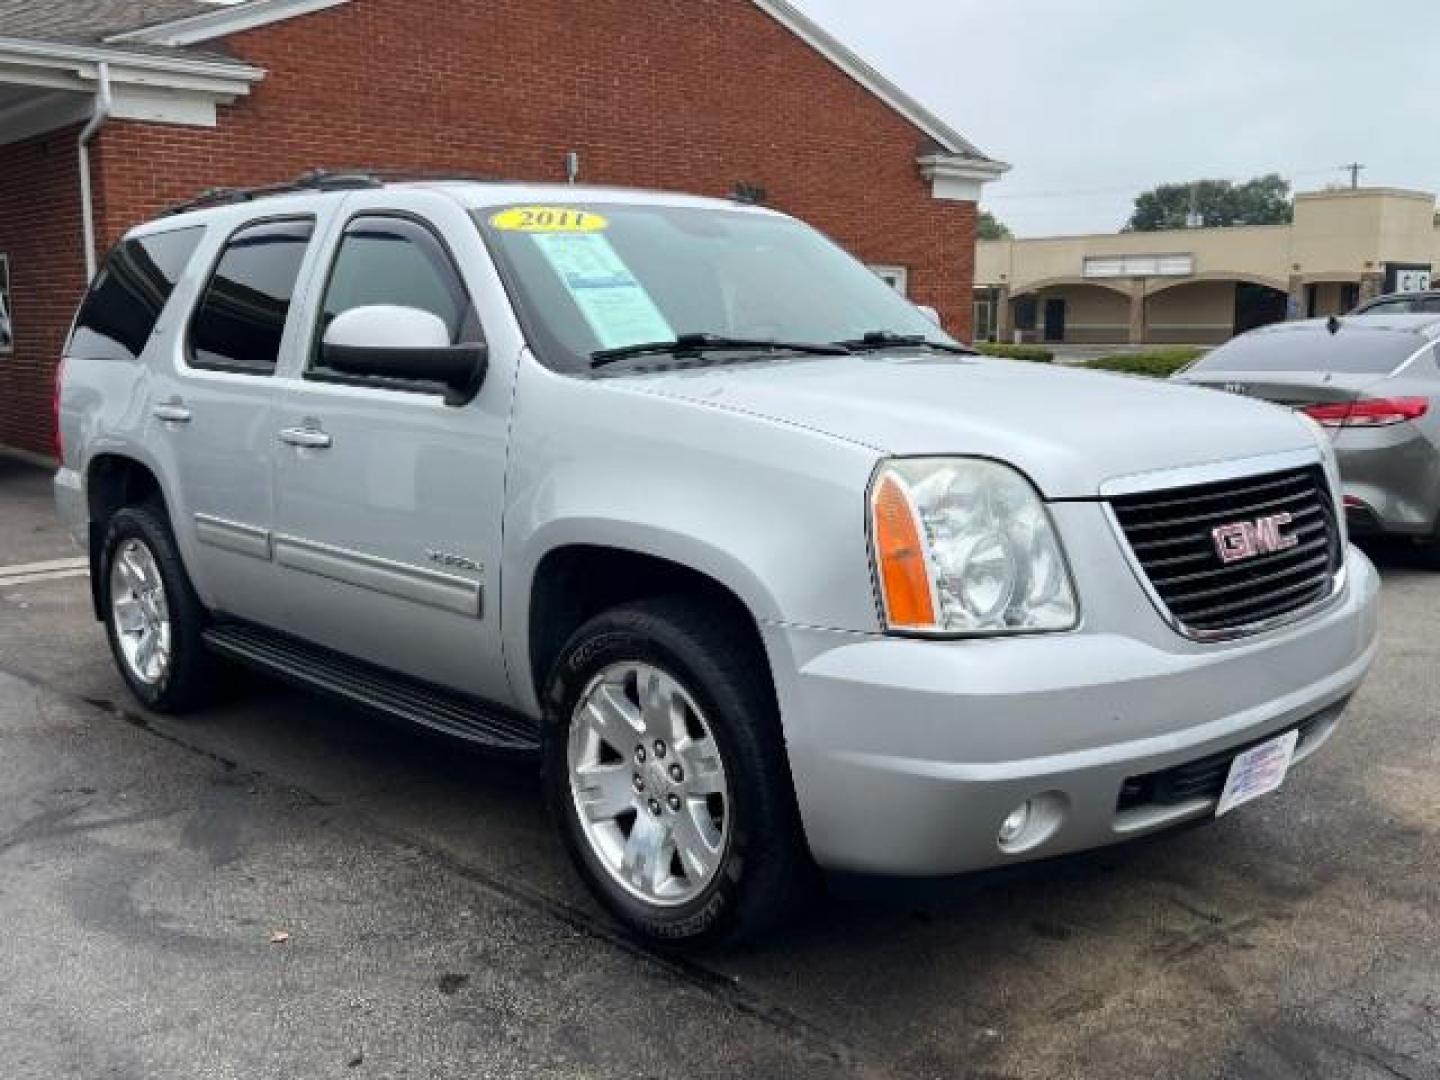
(91, 21)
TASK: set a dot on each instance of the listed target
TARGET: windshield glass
(587, 278)
(1352, 350)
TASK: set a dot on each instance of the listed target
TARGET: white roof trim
(223, 22)
(830, 47)
(64, 78)
(959, 179)
(82, 62)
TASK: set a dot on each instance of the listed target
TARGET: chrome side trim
(1211, 473)
(233, 536)
(418, 584)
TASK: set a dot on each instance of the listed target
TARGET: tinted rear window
(241, 318)
(1352, 350)
(124, 302)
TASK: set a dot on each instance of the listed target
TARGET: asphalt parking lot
(280, 887)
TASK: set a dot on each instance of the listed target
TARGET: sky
(1094, 101)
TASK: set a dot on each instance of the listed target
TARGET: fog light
(1014, 824)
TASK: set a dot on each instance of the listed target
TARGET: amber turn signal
(900, 556)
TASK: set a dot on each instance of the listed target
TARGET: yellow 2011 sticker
(549, 219)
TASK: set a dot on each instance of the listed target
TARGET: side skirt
(374, 688)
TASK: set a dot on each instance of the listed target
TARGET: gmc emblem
(1242, 540)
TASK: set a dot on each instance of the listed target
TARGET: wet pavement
(431, 927)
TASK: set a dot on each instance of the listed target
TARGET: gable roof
(177, 27)
(89, 21)
(218, 21)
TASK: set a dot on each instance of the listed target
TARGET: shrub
(1159, 363)
(1034, 353)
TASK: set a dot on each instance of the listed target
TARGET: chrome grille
(1170, 534)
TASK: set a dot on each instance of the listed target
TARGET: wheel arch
(113, 481)
(569, 582)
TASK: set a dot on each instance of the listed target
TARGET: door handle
(171, 412)
(309, 438)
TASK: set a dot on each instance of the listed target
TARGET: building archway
(1210, 309)
(1073, 311)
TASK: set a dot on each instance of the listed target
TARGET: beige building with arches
(1202, 286)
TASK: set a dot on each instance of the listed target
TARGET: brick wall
(40, 232)
(689, 95)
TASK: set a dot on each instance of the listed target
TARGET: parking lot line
(53, 575)
(26, 570)
(53, 570)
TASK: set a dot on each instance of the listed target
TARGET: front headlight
(965, 546)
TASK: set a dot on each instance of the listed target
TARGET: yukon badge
(1241, 540)
(452, 561)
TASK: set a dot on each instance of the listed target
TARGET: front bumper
(907, 755)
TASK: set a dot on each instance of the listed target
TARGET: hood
(1068, 430)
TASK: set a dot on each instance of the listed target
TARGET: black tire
(765, 870)
(186, 681)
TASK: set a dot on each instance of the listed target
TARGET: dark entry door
(1258, 305)
(1054, 319)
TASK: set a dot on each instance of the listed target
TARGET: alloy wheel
(648, 784)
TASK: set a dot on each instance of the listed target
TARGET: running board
(387, 693)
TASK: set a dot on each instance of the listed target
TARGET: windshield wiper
(888, 339)
(695, 344)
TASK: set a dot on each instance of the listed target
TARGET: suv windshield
(1353, 349)
(588, 279)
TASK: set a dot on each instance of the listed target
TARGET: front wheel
(667, 773)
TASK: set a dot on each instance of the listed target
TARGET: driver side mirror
(387, 341)
(929, 312)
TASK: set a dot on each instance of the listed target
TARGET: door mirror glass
(929, 312)
(388, 341)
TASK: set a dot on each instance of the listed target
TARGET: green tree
(989, 227)
(1264, 200)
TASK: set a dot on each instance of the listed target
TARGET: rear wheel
(667, 774)
(153, 618)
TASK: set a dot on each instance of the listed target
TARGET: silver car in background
(1372, 381)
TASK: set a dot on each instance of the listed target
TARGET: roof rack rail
(321, 180)
(314, 180)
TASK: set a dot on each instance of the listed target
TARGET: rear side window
(241, 317)
(121, 309)
(1352, 350)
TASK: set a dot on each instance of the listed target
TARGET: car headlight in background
(965, 546)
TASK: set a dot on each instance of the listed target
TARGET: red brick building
(111, 111)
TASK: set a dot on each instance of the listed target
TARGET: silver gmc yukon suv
(772, 574)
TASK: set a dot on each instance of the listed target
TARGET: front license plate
(1258, 771)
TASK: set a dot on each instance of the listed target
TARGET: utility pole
(1355, 169)
(1193, 218)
